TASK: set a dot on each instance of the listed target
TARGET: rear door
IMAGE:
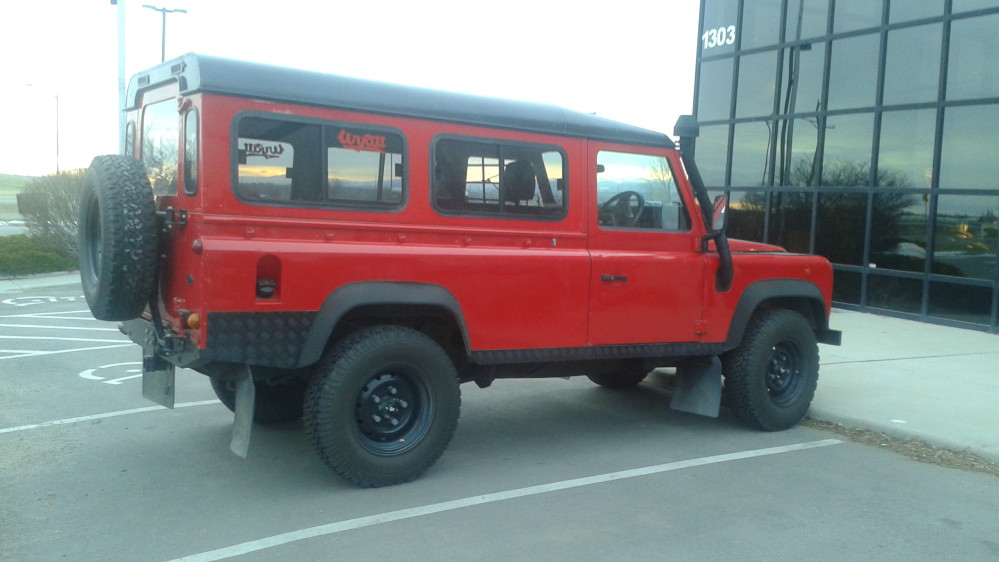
(647, 275)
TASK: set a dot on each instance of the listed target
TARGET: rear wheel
(383, 405)
(771, 378)
(275, 401)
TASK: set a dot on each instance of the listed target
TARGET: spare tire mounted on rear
(118, 238)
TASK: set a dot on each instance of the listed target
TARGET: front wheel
(383, 405)
(771, 378)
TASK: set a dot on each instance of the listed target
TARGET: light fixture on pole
(164, 12)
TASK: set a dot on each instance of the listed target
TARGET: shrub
(26, 255)
(50, 205)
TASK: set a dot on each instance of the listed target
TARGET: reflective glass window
(714, 90)
(969, 147)
(847, 155)
(760, 23)
(856, 14)
(806, 19)
(966, 236)
(746, 215)
(853, 72)
(906, 154)
(791, 219)
(795, 157)
(801, 83)
(900, 294)
(908, 10)
(971, 68)
(846, 286)
(912, 64)
(757, 88)
(968, 5)
(960, 302)
(898, 231)
(712, 148)
(840, 227)
(751, 154)
(719, 33)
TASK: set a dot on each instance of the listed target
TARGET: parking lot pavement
(539, 469)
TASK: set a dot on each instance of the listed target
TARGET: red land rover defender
(349, 252)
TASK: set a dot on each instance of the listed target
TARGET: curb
(41, 281)
(902, 432)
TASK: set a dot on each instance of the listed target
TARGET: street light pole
(164, 12)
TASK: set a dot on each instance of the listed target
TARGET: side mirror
(721, 205)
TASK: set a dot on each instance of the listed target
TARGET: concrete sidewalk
(907, 379)
(913, 380)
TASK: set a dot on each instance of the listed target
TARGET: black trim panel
(596, 352)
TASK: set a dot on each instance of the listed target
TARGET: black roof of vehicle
(200, 73)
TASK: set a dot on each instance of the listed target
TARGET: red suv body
(353, 250)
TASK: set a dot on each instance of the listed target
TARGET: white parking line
(23, 353)
(120, 340)
(103, 416)
(60, 328)
(371, 520)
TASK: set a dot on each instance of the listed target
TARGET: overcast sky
(629, 60)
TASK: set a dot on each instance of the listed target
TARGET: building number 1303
(718, 37)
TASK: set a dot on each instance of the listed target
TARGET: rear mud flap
(243, 423)
(158, 380)
(698, 388)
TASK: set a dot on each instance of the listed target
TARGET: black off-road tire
(117, 238)
(272, 403)
(770, 379)
(622, 380)
(382, 406)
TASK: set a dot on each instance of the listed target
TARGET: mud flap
(158, 380)
(243, 423)
(698, 388)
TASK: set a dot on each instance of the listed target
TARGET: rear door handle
(612, 278)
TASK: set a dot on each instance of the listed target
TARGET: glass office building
(866, 131)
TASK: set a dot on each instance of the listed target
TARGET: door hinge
(700, 327)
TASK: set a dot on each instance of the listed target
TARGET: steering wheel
(620, 211)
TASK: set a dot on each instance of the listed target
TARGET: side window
(363, 167)
(191, 152)
(510, 180)
(638, 191)
(283, 161)
(160, 135)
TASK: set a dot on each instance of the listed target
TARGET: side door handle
(612, 278)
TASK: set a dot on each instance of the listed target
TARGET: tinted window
(191, 152)
(853, 73)
(512, 180)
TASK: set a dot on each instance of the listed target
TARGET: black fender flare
(795, 294)
(368, 293)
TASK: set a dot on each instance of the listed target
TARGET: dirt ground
(912, 448)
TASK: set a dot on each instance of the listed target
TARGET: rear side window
(510, 180)
(285, 161)
(160, 136)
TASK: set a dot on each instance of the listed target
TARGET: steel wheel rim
(392, 413)
(784, 378)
